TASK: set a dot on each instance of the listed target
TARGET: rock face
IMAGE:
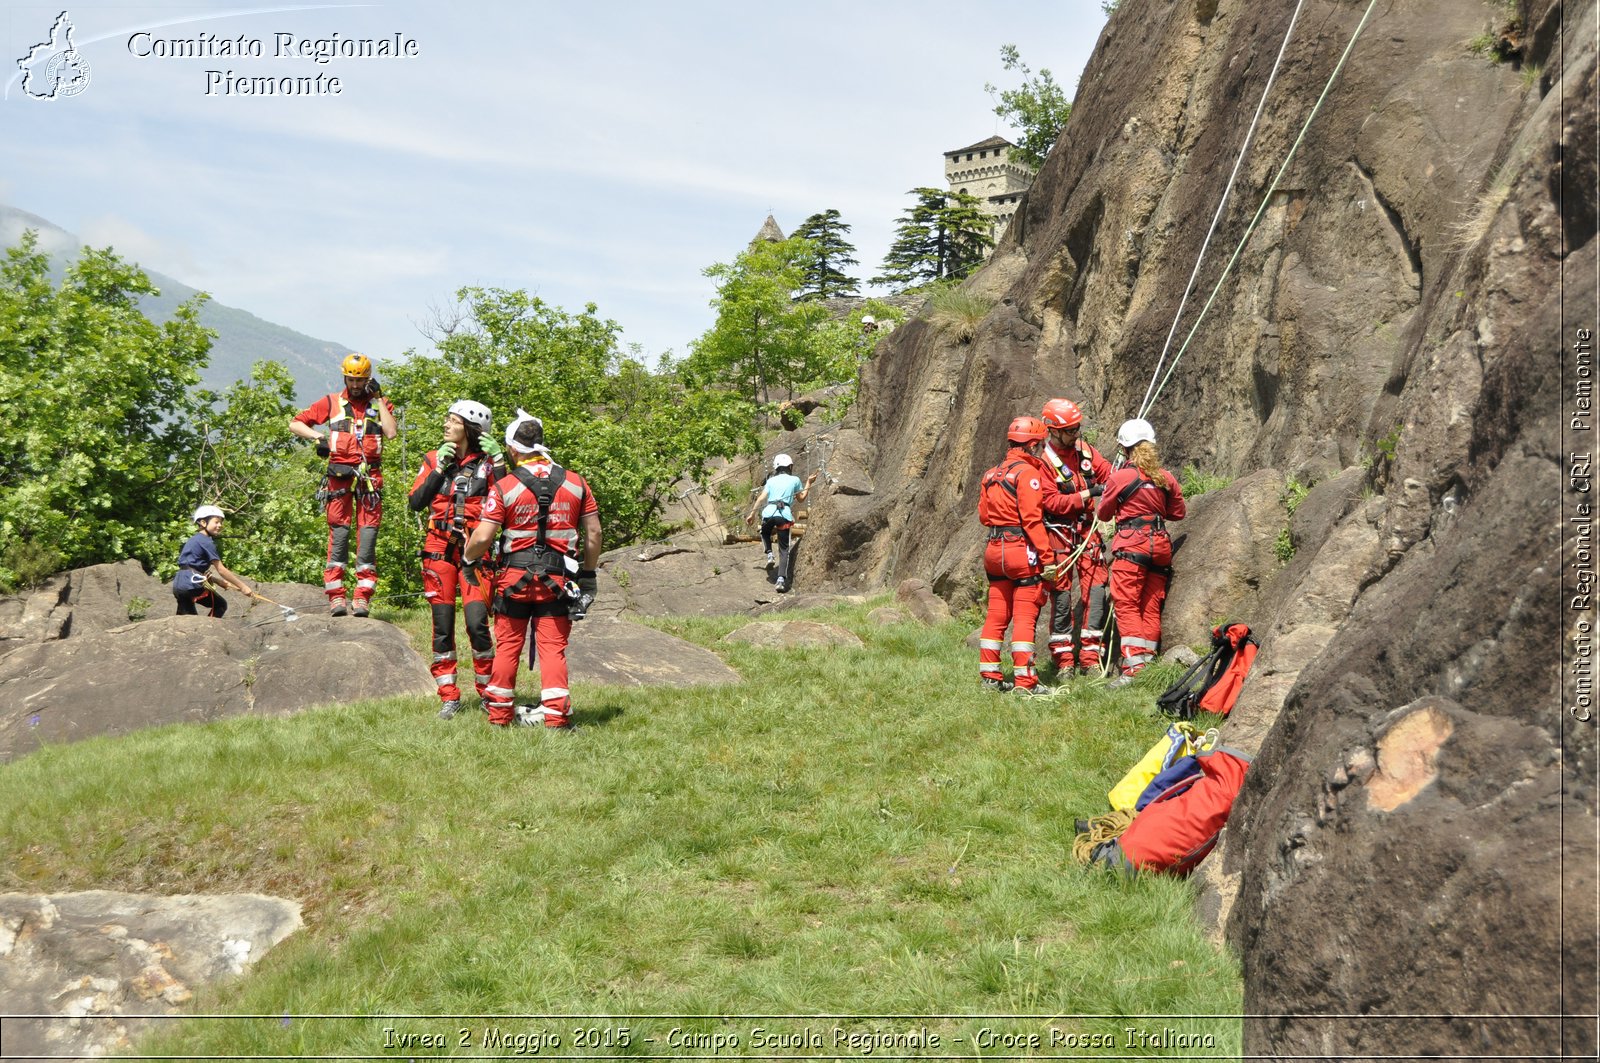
(83, 600)
(787, 634)
(1393, 333)
(90, 958)
(178, 669)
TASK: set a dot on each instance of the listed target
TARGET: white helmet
(474, 415)
(1137, 430)
(781, 461)
(868, 319)
(207, 512)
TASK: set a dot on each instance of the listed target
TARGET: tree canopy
(942, 236)
(760, 343)
(95, 411)
(823, 277)
(1038, 107)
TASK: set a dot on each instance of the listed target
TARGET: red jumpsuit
(1076, 621)
(1010, 505)
(454, 497)
(1141, 554)
(532, 584)
(355, 453)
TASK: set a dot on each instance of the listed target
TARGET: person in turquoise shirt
(776, 506)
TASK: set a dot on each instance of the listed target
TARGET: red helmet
(1061, 413)
(1026, 429)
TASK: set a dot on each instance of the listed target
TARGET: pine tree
(942, 237)
(824, 276)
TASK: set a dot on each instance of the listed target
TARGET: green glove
(491, 446)
(447, 453)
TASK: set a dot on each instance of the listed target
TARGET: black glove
(471, 573)
(1096, 490)
(322, 448)
(579, 608)
(373, 388)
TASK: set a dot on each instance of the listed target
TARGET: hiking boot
(337, 610)
(771, 561)
(359, 609)
(1038, 690)
(996, 686)
(783, 586)
(449, 709)
(1119, 682)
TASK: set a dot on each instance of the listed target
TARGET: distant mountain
(242, 338)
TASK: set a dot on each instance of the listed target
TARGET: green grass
(1196, 483)
(854, 832)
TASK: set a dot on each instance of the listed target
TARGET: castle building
(986, 170)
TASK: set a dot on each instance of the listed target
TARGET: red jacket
(1011, 495)
(354, 431)
(456, 504)
(1148, 499)
(515, 508)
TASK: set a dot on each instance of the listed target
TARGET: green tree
(760, 343)
(824, 276)
(1039, 108)
(630, 431)
(94, 412)
(943, 236)
(241, 458)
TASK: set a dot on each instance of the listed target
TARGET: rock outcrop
(193, 669)
(1393, 334)
(89, 960)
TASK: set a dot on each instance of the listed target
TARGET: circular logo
(67, 73)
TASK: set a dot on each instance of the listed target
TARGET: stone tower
(987, 170)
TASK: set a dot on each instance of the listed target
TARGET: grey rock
(84, 600)
(920, 601)
(89, 960)
(618, 652)
(193, 669)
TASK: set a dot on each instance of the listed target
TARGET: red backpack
(1213, 683)
(1176, 830)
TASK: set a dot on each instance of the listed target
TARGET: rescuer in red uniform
(541, 511)
(1018, 558)
(1141, 497)
(1077, 620)
(452, 486)
(359, 419)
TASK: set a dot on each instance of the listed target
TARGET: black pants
(780, 527)
(207, 599)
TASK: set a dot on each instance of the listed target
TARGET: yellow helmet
(358, 366)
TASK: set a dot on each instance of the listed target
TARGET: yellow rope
(1102, 829)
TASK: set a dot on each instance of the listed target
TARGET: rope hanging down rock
(1152, 395)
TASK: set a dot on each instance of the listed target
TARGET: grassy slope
(856, 831)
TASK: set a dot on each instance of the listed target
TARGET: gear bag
(1181, 742)
(1182, 823)
(1213, 682)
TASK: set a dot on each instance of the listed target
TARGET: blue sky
(604, 152)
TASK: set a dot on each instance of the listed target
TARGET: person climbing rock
(775, 504)
(1077, 615)
(541, 511)
(1018, 558)
(451, 486)
(200, 566)
(359, 419)
(1141, 497)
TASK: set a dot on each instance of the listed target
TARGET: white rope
(1265, 200)
(1221, 205)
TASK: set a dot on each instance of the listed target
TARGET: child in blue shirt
(200, 563)
(776, 506)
